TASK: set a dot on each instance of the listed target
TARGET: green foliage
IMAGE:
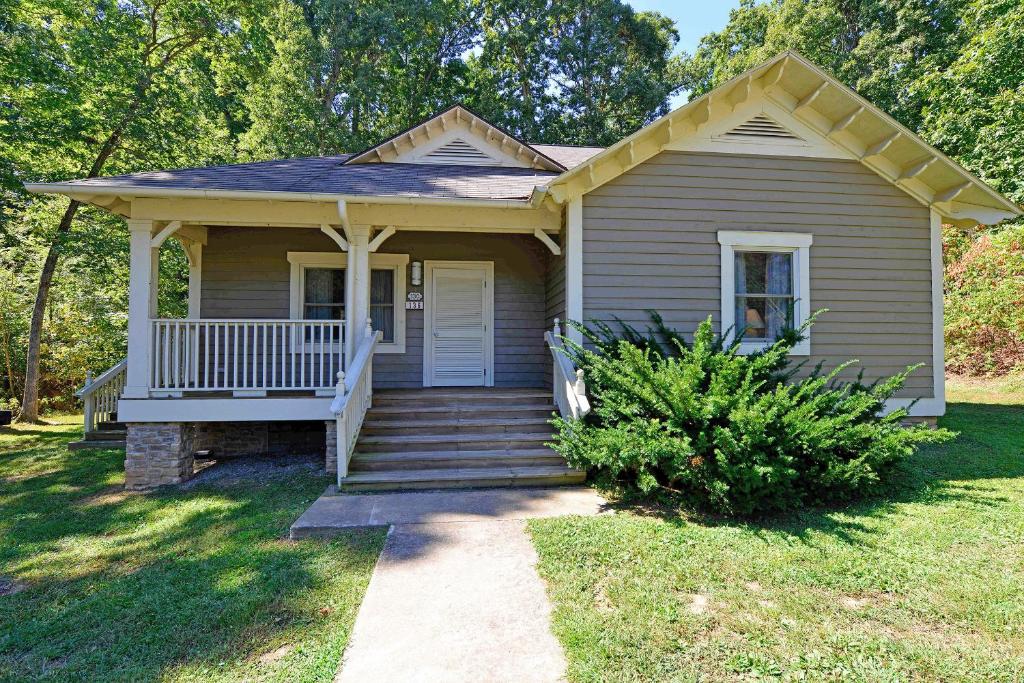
(737, 433)
(985, 301)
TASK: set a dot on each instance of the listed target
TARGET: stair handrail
(100, 395)
(570, 391)
(353, 397)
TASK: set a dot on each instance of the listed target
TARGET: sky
(693, 19)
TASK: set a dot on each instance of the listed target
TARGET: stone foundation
(331, 456)
(160, 453)
(157, 454)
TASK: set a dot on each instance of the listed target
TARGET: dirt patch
(601, 600)
(229, 472)
(9, 586)
(276, 655)
(855, 604)
(115, 495)
(699, 604)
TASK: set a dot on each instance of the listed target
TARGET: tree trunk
(30, 400)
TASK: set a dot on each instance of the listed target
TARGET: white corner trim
(938, 316)
(300, 260)
(162, 236)
(574, 266)
(798, 244)
(375, 243)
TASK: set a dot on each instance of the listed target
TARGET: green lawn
(198, 585)
(923, 583)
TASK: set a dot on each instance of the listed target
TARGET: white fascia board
(224, 409)
(75, 190)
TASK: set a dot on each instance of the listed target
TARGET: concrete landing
(456, 602)
(332, 513)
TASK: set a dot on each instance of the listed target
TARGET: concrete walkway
(455, 595)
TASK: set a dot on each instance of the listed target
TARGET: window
(765, 286)
(318, 292)
(324, 294)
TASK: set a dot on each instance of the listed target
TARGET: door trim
(428, 316)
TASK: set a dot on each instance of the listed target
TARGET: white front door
(459, 324)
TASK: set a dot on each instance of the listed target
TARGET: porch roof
(328, 175)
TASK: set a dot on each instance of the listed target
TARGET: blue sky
(693, 19)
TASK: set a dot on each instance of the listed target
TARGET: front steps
(457, 438)
(107, 436)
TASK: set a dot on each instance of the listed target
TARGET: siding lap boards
(650, 242)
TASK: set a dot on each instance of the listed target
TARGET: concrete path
(455, 596)
(333, 512)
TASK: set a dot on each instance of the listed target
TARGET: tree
(85, 82)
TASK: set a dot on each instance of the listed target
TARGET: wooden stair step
(462, 478)
(451, 442)
(534, 409)
(457, 425)
(107, 435)
(96, 445)
(416, 460)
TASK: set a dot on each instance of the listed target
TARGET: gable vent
(457, 152)
(760, 127)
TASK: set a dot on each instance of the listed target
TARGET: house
(424, 276)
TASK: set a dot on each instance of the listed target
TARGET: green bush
(739, 434)
(984, 300)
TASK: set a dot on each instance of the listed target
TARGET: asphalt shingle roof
(329, 175)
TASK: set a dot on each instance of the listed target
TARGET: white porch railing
(100, 395)
(245, 356)
(569, 389)
(354, 397)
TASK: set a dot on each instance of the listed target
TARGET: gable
(759, 126)
(457, 136)
(827, 120)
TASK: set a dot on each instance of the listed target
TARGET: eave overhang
(841, 116)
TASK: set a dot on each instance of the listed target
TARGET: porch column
(574, 266)
(357, 288)
(142, 278)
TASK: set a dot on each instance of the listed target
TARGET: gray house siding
(650, 242)
(246, 274)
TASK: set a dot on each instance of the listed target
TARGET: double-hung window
(318, 289)
(765, 286)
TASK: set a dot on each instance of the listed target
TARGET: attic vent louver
(760, 127)
(457, 152)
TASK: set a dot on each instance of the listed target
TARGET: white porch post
(143, 273)
(357, 289)
(574, 266)
(194, 250)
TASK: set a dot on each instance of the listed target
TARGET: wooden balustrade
(570, 392)
(353, 398)
(100, 395)
(245, 356)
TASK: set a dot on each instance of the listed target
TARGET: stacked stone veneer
(331, 456)
(158, 454)
(164, 453)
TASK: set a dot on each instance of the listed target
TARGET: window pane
(323, 312)
(763, 317)
(325, 286)
(382, 302)
(764, 273)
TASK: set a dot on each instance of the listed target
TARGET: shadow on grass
(989, 445)
(129, 587)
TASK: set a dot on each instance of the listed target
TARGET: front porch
(291, 322)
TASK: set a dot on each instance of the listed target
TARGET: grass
(925, 583)
(198, 585)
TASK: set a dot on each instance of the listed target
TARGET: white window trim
(798, 244)
(300, 260)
